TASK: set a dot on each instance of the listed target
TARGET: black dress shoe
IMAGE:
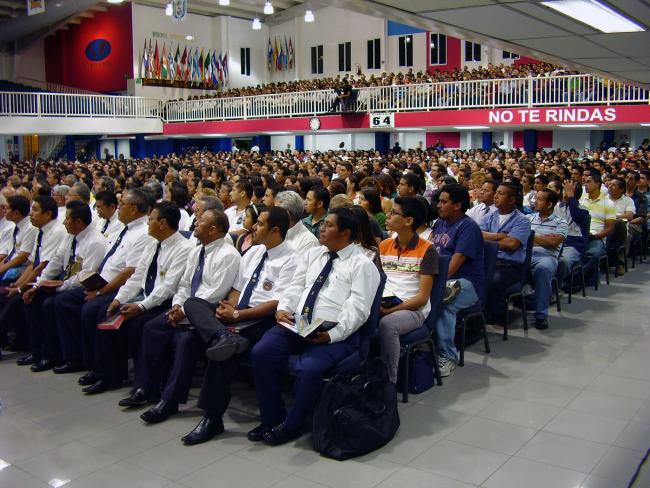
(205, 430)
(138, 398)
(101, 386)
(68, 367)
(541, 324)
(90, 378)
(226, 347)
(160, 412)
(27, 360)
(42, 365)
(280, 435)
(257, 434)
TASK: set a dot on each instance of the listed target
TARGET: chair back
(584, 229)
(525, 269)
(368, 329)
(438, 292)
(490, 250)
(185, 233)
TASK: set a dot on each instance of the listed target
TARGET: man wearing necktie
(83, 248)
(106, 206)
(145, 295)
(79, 310)
(334, 282)
(266, 271)
(22, 239)
(211, 270)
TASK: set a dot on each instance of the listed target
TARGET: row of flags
(189, 66)
(280, 56)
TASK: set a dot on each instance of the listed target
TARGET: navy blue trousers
(41, 326)
(270, 358)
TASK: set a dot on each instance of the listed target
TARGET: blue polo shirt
(464, 237)
(549, 226)
(516, 225)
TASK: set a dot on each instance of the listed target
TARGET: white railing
(48, 86)
(511, 92)
(71, 105)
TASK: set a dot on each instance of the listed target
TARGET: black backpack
(357, 413)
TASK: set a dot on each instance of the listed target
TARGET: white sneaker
(446, 366)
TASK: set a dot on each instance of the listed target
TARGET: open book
(303, 327)
(113, 322)
(91, 280)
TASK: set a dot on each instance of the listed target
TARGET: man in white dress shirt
(334, 282)
(298, 236)
(208, 278)
(479, 212)
(22, 239)
(146, 294)
(81, 250)
(265, 273)
(6, 229)
(78, 311)
(241, 194)
(108, 224)
(60, 194)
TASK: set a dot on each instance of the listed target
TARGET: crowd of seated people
(388, 79)
(203, 254)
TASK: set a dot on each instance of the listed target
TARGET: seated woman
(243, 242)
(370, 201)
(410, 264)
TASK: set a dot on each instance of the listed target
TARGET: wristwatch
(235, 315)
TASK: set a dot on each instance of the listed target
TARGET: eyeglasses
(393, 212)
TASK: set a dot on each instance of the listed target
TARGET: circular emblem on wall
(98, 50)
(314, 123)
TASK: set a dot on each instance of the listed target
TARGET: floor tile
(492, 435)
(416, 478)
(14, 477)
(636, 436)
(518, 473)
(524, 414)
(290, 457)
(585, 426)
(614, 406)
(533, 390)
(362, 472)
(460, 461)
(616, 385)
(120, 475)
(566, 452)
(618, 465)
(234, 472)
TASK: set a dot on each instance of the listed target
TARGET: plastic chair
(578, 269)
(474, 312)
(411, 342)
(616, 246)
(516, 290)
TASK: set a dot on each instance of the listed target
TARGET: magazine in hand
(91, 280)
(113, 322)
(304, 328)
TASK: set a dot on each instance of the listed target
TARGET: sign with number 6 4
(380, 120)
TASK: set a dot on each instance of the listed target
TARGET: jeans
(570, 257)
(594, 252)
(445, 327)
(542, 267)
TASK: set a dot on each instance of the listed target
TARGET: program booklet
(304, 328)
(113, 322)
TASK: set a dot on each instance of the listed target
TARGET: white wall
(411, 140)
(239, 33)
(576, 139)
(326, 142)
(279, 143)
(123, 147)
(420, 46)
(31, 63)
(363, 141)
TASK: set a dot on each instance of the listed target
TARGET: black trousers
(12, 315)
(215, 390)
(503, 277)
(113, 347)
(159, 341)
(41, 326)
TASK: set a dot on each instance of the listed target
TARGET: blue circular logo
(98, 49)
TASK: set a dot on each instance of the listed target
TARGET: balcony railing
(28, 104)
(512, 92)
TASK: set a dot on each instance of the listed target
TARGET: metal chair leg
(486, 341)
(405, 378)
(463, 327)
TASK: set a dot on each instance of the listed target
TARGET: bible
(113, 322)
(304, 328)
(91, 280)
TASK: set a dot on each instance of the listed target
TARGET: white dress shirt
(301, 239)
(478, 213)
(276, 274)
(53, 234)
(346, 296)
(61, 215)
(114, 227)
(235, 218)
(26, 237)
(90, 250)
(185, 221)
(220, 270)
(172, 258)
(6, 236)
(130, 250)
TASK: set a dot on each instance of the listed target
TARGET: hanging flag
(215, 70)
(195, 60)
(200, 65)
(150, 61)
(156, 62)
(178, 72)
(164, 64)
(170, 62)
(269, 56)
(280, 56)
(222, 79)
(291, 60)
(286, 53)
(224, 64)
(275, 53)
(35, 7)
(179, 10)
(185, 74)
(207, 69)
(145, 61)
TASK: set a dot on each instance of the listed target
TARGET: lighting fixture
(189, 38)
(471, 127)
(224, 3)
(4, 464)
(309, 16)
(115, 1)
(645, 125)
(169, 10)
(577, 126)
(268, 8)
(432, 45)
(408, 39)
(594, 14)
(257, 25)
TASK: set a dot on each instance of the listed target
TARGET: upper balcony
(83, 114)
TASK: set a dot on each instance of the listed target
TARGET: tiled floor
(568, 407)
